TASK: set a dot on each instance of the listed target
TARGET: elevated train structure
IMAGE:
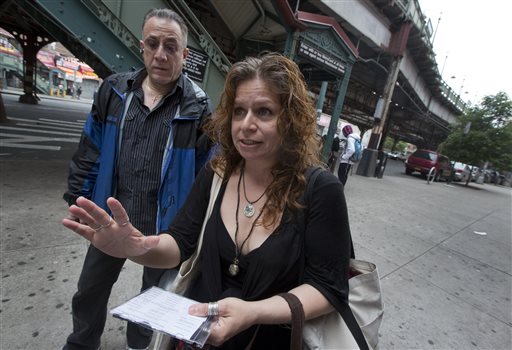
(369, 62)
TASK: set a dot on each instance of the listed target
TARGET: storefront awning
(71, 74)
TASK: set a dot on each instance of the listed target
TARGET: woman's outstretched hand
(114, 235)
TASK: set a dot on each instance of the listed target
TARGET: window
(425, 155)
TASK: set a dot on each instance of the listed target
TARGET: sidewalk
(445, 284)
(16, 91)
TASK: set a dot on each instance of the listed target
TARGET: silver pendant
(233, 268)
(249, 210)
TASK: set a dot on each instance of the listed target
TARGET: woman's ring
(213, 309)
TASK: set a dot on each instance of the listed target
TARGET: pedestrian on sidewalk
(265, 129)
(335, 148)
(345, 160)
(142, 143)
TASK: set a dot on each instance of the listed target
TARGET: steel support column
(336, 113)
(31, 44)
(383, 104)
(321, 100)
(396, 48)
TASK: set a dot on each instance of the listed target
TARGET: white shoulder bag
(356, 326)
(189, 267)
(178, 281)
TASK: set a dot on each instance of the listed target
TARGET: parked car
(402, 156)
(397, 155)
(506, 179)
(476, 173)
(423, 160)
(460, 171)
(491, 176)
(393, 155)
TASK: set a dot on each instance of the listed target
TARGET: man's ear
(141, 44)
(185, 53)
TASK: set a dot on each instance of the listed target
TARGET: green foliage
(497, 109)
(489, 138)
(400, 146)
(388, 143)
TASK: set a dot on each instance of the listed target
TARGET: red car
(423, 160)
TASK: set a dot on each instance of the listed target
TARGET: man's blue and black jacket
(93, 169)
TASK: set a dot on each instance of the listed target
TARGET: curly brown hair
(296, 124)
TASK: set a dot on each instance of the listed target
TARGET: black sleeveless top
(275, 266)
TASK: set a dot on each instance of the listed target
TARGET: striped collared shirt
(144, 137)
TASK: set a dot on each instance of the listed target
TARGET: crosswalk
(39, 134)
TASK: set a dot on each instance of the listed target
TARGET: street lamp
(437, 26)
(462, 85)
(458, 96)
(444, 64)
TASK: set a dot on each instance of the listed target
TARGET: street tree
(483, 135)
(394, 144)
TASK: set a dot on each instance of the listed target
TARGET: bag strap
(345, 312)
(349, 318)
(214, 191)
(189, 264)
(297, 319)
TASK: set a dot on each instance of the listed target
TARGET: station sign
(321, 58)
(195, 65)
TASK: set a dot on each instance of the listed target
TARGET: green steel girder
(89, 25)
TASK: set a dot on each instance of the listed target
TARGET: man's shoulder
(192, 88)
(120, 80)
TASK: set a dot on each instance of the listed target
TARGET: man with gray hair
(143, 144)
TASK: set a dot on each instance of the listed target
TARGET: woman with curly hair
(262, 238)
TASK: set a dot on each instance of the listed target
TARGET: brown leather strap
(297, 319)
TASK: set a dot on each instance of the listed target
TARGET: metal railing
(15, 65)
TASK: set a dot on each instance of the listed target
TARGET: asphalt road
(48, 130)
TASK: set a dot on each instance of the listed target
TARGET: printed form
(166, 312)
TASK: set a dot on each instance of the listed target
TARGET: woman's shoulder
(321, 181)
(322, 176)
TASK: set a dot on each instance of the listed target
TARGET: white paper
(163, 311)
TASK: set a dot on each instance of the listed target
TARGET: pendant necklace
(156, 97)
(234, 267)
(249, 207)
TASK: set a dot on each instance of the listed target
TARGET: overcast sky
(473, 44)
